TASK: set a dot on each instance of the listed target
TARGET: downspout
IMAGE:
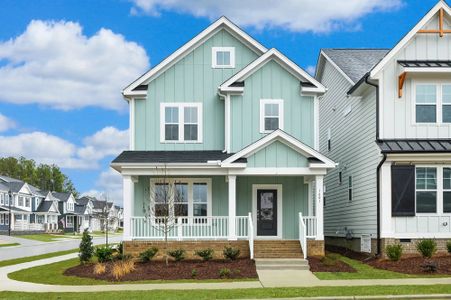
(384, 158)
(226, 121)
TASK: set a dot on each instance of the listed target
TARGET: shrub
(178, 254)
(86, 248)
(394, 252)
(429, 266)
(122, 268)
(148, 254)
(193, 273)
(448, 246)
(206, 254)
(99, 269)
(231, 253)
(224, 272)
(427, 248)
(104, 254)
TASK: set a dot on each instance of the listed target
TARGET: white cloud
(294, 15)
(54, 64)
(311, 70)
(6, 123)
(109, 185)
(50, 149)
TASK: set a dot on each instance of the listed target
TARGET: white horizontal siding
(354, 148)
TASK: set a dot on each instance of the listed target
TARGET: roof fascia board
(182, 51)
(285, 62)
(379, 66)
(337, 67)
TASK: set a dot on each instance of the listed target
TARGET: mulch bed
(413, 265)
(349, 253)
(319, 264)
(157, 270)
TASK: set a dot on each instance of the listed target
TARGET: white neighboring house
(84, 209)
(386, 119)
(99, 211)
(45, 211)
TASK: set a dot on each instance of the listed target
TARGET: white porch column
(128, 198)
(319, 186)
(232, 207)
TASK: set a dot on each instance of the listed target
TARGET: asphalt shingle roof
(61, 196)
(44, 206)
(172, 156)
(355, 63)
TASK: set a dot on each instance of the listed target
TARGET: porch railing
(187, 228)
(303, 235)
(310, 224)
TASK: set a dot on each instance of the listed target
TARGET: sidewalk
(270, 278)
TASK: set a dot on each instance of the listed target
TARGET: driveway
(30, 247)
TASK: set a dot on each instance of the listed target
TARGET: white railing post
(303, 235)
(319, 207)
(250, 233)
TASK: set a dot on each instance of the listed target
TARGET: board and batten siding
(397, 114)
(352, 122)
(271, 81)
(277, 155)
(192, 79)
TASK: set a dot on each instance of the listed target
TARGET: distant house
(68, 220)
(83, 208)
(45, 211)
(100, 210)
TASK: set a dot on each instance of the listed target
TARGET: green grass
(42, 237)
(53, 274)
(16, 261)
(9, 245)
(364, 271)
(259, 293)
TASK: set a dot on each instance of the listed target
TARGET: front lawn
(42, 237)
(54, 274)
(9, 245)
(363, 271)
(16, 261)
(258, 293)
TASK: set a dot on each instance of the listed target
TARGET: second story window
(181, 122)
(433, 103)
(20, 201)
(350, 194)
(329, 140)
(271, 115)
(223, 57)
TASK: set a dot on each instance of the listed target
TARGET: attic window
(223, 57)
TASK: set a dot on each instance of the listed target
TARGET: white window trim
(190, 182)
(181, 107)
(439, 190)
(214, 64)
(350, 188)
(438, 103)
(263, 102)
(2, 219)
(2, 199)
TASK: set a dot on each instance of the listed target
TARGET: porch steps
(281, 264)
(277, 249)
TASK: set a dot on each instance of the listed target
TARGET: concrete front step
(281, 264)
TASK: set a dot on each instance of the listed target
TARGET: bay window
(181, 122)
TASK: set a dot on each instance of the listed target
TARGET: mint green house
(232, 128)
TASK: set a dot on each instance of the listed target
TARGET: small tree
(167, 203)
(86, 248)
(105, 216)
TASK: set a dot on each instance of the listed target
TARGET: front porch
(233, 208)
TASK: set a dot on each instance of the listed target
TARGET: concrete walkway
(268, 278)
(29, 247)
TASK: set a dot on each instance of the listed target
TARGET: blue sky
(62, 75)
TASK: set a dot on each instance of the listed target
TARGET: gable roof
(84, 200)
(45, 206)
(61, 196)
(319, 160)
(440, 5)
(136, 88)
(310, 83)
(352, 63)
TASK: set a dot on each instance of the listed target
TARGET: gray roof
(172, 156)
(80, 209)
(415, 146)
(61, 196)
(15, 186)
(84, 200)
(9, 179)
(4, 187)
(355, 63)
(44, 206)
(100, 204)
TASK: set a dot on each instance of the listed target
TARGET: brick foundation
(315, 248)
(134, 248)
(409, 248)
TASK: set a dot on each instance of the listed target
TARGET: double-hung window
(426, 190)
(271, 115)
(28, 202)
(181, 198)
(2, 199)
(350, 188)
(433, 103)
(222, 57)
(20, 202)
(181, 122)
(447, 189)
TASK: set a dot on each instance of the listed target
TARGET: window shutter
(403, 191)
